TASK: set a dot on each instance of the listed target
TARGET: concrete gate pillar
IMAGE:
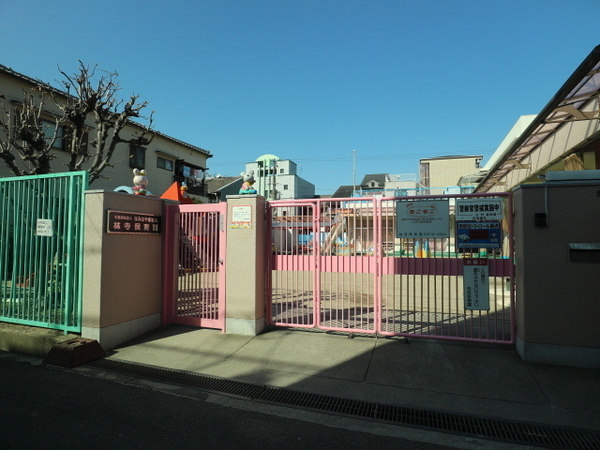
(557, 243)
(245, 265)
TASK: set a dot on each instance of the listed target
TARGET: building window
(137, 157)
(285, 187)
(164, 163)
(281, 170)
(49, 128)
(68, 141)
(424, 174)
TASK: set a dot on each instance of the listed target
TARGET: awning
(571, 103)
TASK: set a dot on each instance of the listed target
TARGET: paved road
(49, 407)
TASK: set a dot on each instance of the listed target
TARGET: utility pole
(353, 173)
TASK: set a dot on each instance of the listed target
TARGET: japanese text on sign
(44, 227)
(241, 217)
(478, 234)
(423, 219)
(479, 209)
(132, 223)
(476, 285)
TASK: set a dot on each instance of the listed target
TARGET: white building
(277, 179)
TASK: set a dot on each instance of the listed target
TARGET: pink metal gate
(348, 265)
(194, 288)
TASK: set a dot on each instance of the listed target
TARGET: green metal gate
(41, 250)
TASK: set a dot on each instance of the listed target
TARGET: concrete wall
(122, 292)
(123, 273)
(558, 298)
(245, 265)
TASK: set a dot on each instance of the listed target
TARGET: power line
(350, 157)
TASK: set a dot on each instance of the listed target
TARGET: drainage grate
(481, 427)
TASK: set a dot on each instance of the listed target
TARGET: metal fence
(194, 288)
(386, 266)
(41, 250)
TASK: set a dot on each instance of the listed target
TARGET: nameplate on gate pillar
(241, 217)
(121, 222)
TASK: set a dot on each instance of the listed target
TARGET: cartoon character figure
(248, 179)
(140, 181)
(184, 189)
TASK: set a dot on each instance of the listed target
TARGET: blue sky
(312, 81)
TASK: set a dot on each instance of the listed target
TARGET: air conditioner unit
(573, 175)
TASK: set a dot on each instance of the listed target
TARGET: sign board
(476, 284)
(241, 217)
(44, 227)
(478, 234)
(479, 209)
(423, 219)
(120, 222)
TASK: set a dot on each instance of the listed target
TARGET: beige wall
(558, 300)
(444, 172)
(246, 264)
(122, 292)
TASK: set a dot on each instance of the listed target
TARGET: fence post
(245, 265)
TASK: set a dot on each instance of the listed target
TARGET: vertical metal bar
(318, 264)
(16, 256)
(82, 187)
(4, 244)
(30, 265)
(222, 263)
(375, 276)
(44, 265)
(184, 264)
(54, 308)
(69, 279)
(201, 279)
(270, 261)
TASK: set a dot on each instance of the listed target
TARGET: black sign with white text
(132, 223)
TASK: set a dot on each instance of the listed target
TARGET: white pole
(353, 173)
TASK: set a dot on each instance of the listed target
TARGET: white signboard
(241, 217)
(479, 209)
(476, 284)
(44, 227)
(423, 219)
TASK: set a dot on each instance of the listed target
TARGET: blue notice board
(486, 234)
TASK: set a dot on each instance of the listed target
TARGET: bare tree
(93, 119)
(26, 137)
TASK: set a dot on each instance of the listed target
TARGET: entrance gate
(194, 289)
(41, 250)
(347, 265)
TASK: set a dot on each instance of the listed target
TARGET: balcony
(196, 186)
